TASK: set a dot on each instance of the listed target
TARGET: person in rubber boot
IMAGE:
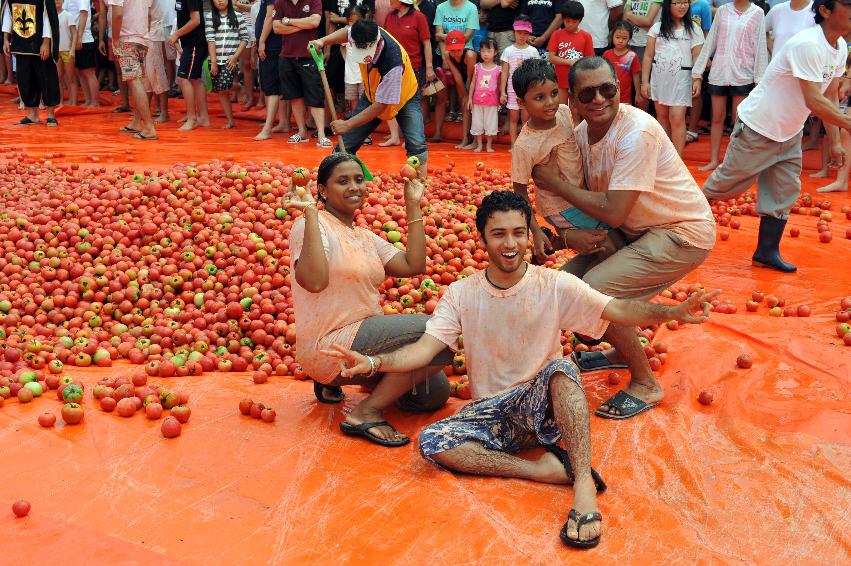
(390, 85)
(765, 145)
(525, 394)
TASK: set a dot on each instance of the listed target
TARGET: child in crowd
(193, 52)
(484, 96)
(625, 61)
(460, 62)
(65, 65)
(156, 78)
(738, 48)
(569, 44)
(227, 37)
(549, 132)
(673, 44)
(269, 46)
(246, 61)
(480, 34)
(352, 76)
(512, 57)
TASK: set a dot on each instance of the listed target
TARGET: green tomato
(35, 387)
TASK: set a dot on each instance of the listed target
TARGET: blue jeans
(410, 119)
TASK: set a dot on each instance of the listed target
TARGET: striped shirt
(737, 45)
(226, 38)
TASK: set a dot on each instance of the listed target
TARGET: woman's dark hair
(829, 4)
(621, 25)
(501, 201)
(532, 72)
(364, 32)
(572, 10)
(360, 10)
(666, 27)
(233, 21)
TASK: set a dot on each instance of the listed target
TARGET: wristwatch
(286, 21)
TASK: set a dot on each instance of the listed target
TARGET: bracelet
(413, 221)
(373, 367)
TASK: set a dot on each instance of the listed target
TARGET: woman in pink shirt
(337, 269)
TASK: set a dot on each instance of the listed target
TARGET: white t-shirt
(776, 107)
(510, 335)
(596, 20)
(170, 16)
(641, 8)
(782, 22)
(64, 31)
(74, 7)
(158, 18)
(676, 50)
(515, 56)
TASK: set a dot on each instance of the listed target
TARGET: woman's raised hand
(299, 198)
(414, 191)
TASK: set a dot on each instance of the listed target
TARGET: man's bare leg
(570, 408)
(628, 350)
(841, 182)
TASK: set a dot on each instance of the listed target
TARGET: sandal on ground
(325, 142)
(368, 140)
(321, 390)
(141, 136)
(594, 361)
(296, 138)
(121, 109)
(362, 430)
(128, 130)
(626, 404)
(27, 121)
(580, 520)
(434, 140)
(691, 136)
(52, 122)
(561, 454)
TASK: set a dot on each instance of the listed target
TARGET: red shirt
(569, 45)
(625, 65)
(410, 29)
(295, 44)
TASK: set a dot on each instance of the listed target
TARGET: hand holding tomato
(299, 198)
(414, 192)
(699, 301)
(351, 363)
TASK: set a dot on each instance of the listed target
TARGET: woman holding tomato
(338, 268)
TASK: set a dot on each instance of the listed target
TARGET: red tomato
(171, 427)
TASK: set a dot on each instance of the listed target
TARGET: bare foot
(820, 174)
(228, 125)
(490, 149)
(204, 123)
(263, 135)
(281, 129)
(584, 501)
(188, 125)
(835, 187)
(388, 142)
(708, 167)
(363, 414)
(162, 119)
(552, 470)
(477, 149)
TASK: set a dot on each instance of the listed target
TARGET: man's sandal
(626, 404)
(594, 361)
(321, 390)
(580, 520)
(561, 454)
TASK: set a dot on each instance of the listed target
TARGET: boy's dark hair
(232, 18)
(666, 24)
(588, 64)
(364, 32)
(329, 164)
(622, 25)
(572, 10)
(488, 43)
(530, 73)
(501, 201)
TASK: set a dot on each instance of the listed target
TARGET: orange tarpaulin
(760, 476)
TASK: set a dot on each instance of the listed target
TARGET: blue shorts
(510, 421)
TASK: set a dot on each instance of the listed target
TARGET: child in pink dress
(484, 96)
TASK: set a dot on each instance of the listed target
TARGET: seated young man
(511, 315)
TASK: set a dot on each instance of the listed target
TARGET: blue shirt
(478, 36)
(701, 14)
(463, 18)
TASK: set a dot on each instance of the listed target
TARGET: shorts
(131, 59)
(503, 40)
(729, 90)
(354, 91)
(385, 333)
(509, 421)
(642, 268)
(170, 50)
(156, 80)
(302, 81)
(86, 57)
(66, 57)
(485, 120)
(223, 81)
(192, 62)
(270, 80)
(512, 100)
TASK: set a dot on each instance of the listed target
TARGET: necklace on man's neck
(525, 268)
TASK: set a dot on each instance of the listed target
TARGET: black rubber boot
(767, 252)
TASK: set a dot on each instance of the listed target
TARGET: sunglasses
(587, 94)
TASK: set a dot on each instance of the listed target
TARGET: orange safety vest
(392, 55)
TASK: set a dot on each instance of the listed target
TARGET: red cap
(455, 40)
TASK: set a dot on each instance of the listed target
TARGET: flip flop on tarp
(594, 361)
(628, 405)
(320, 390)
(362, 430)
(580, 520)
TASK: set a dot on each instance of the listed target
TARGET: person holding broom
(390, 85)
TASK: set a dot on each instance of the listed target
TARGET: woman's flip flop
(321, 390)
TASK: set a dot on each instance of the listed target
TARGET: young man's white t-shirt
(776, 107)
(782, 22)
(596, 20)
(74, 7)
(64, 31)
(510, 335)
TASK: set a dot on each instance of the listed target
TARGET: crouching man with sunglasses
(638, 184)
